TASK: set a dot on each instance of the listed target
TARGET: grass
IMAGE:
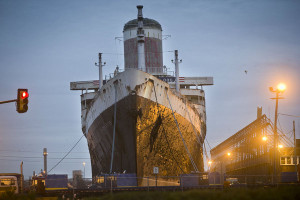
(286, 193)
(281, 193)
(10, 195)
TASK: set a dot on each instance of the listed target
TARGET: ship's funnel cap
(140, 12)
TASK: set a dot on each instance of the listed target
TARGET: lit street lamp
(264, 138)
(209, 165)
(280, 89)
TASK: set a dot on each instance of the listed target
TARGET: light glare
(281, 87)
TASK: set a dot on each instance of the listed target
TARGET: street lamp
(264, 138)
(209, 165)
(83, 170)
(280, 89)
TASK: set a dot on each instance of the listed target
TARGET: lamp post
(83, 170)
(280, 89)
(266, 156)
(228, 154)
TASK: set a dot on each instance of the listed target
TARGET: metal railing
(158, 71)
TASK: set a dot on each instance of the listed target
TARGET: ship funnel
(141, 39)
(143, 44)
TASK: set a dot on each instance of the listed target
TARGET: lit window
(282, 160)
(289, 161)
(294, 160)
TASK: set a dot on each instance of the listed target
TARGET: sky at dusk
(45, 45)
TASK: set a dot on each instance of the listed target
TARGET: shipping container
(56, 182)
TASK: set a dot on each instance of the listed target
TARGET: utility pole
(280, 89)
(295, 147)
(275, 139)
(45, 160)
(22, 178)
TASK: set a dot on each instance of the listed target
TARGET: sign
(167, 78)
(155, 170)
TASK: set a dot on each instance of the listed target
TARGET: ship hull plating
(146, 137)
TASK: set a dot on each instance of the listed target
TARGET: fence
(212, 180)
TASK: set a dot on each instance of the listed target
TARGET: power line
(38, 157)
(35, 161)
(21, 151)
(288, 115)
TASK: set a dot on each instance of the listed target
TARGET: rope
(197, 137)
(187, 150)
(206, 155)
(165, 131)
(208, 143)
(114, 131)
(66, 154)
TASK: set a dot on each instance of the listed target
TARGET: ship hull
(146, 136)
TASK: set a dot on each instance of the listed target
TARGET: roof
(146, 22)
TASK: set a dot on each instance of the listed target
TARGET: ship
(144, 118)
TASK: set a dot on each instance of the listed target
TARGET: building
(249, 155)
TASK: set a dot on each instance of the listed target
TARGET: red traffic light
(22, 100)
(24, 95)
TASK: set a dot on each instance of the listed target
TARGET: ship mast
(141, 39)
(100, 65)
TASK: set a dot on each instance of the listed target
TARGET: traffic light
(22, 100)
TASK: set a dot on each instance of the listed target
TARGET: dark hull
(146, 137)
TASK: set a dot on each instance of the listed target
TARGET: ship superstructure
(142, 117)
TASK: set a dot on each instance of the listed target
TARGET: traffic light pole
(9, 101)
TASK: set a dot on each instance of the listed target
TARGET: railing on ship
(156, 71)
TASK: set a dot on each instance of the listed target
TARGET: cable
(35, 161)
(288, 115)
(37, 157)
(197, 137)
(169, 147)
(208, 143)
(21, 151)
(206, 155)
(66, 154)
(186, 148)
